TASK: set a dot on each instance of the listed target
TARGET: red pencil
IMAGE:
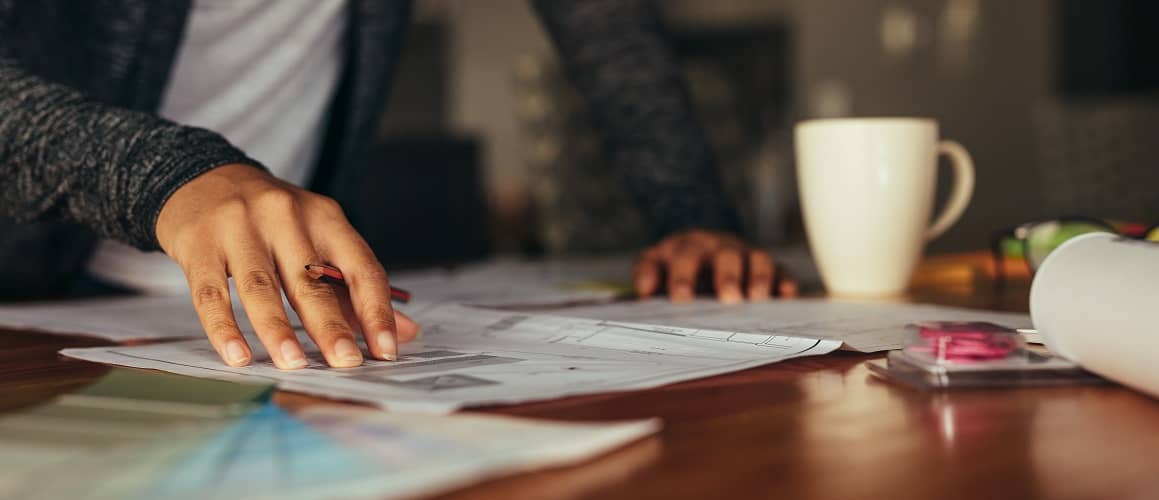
(334, 275)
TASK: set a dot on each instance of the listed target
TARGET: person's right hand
(239, 221)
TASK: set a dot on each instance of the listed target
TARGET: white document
(119, 319)
(862, 326)
(473, 357)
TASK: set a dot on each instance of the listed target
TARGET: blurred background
(1055, 99)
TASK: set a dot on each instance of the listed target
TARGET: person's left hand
(682, 256)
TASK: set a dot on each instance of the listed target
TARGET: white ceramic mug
(867, 191)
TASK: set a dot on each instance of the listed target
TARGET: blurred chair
(419, 201)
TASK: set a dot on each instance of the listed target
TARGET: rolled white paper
(1094, 301)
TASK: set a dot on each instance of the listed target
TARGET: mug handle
(963, 188)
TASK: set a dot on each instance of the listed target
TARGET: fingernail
(387, 347)
(347, 352)
(236, 353)
(643, 285)
(292, 355)
(759, 293)
(731, 296)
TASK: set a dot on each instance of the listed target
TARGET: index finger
(683, 268)
(369, 288)
(317, 302)
(761, 268)
(727, 266)
(646, 275)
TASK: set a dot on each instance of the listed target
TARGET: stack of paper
(865, 326)
(530, 342)
(472, 357)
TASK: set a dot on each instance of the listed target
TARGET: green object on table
(1044, 238)
(1012, 248)
(1034, 241)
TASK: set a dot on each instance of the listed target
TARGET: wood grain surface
(817, 427)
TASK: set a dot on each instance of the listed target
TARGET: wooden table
(808, 428)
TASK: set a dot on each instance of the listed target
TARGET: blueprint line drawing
(472, 357)
(441, 382)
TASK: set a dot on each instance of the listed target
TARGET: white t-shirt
(261, 73)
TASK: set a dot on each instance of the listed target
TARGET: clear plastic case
(947, 354)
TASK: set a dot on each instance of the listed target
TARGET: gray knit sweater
(83, 153)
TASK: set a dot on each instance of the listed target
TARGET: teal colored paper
(268, 454)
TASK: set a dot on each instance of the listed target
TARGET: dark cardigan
(83, 153)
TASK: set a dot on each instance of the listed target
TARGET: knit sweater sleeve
(67, 158)
(617, 54)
